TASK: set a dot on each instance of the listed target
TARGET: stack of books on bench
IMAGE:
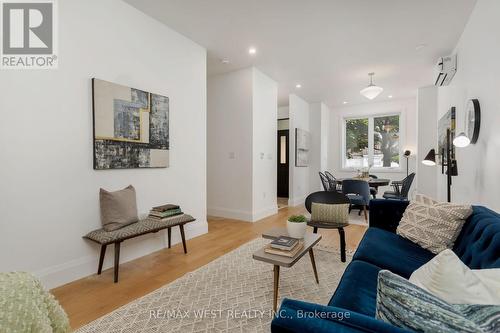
(285, 246)
(164, 212)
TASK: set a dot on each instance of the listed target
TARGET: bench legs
(117, 260)
(169, 231)
(169, 236)
(101, 259)
(117, 252)
(181, 226)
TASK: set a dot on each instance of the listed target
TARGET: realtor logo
(28, 34)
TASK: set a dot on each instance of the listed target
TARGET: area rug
(230, 294)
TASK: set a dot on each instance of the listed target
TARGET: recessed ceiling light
(252, 50)
(390, 96)
(345, 102)
(298, 86)
(225, 61)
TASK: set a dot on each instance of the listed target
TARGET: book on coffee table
(284, 243)
(285, 253)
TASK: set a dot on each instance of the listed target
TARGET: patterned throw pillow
(433, 225)
(425, 200)
(25, 306)
(330, 213)
(403, 304)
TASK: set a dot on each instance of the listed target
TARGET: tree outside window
(381, 152)
(386, 142)
(356, 143)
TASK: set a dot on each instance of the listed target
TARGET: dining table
(372, 182)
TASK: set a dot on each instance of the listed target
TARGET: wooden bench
(142, 227)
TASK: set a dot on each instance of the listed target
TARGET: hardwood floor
(92, 297)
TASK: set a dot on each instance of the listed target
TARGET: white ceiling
(328, 46)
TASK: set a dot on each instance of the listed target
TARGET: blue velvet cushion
(300, 317)
(386, 214)
(356, 199)
(478, 244)
(392, 252)
(357, 290)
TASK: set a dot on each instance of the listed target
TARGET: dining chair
(330, 198)
(373, 189)
(327, 184)
(358, 192)
(333, 180)
(401, 188)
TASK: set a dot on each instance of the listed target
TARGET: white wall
(229, 145)
(241, 141)
(299, 176)
(427, 111)
(283, 112)
(265, 109)
(478, 76)
(408, 140)
(49, 191)
(318, 125)
(325, 129)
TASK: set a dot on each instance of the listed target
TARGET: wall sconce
(461, 141)
(472, 127)
(450, 164)
(430, 158)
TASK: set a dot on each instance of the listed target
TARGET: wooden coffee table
(310, 240)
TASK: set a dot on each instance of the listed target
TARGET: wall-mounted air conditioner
(446, 68)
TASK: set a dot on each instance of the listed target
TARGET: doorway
(283, 163)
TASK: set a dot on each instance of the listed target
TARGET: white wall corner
(263, 213)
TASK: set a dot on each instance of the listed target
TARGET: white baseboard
(242, 215)
(293, 202)
(230, 213)
(61, 274)
(265, 213)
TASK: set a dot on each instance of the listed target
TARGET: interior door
(283, 163)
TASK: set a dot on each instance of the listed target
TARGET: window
(283, 149)
(372, 141)
(356, 139)
(386, 142)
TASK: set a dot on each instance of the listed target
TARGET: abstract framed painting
(131, 127)
(447, 121)
(301, 148)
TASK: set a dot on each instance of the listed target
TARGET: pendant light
(372, 91)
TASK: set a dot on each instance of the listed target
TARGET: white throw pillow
(448, 278)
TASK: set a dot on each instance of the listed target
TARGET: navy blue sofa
(352, 306)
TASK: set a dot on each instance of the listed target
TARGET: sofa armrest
(386, 214)
(300, 317)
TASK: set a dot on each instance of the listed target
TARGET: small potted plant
(296, 226)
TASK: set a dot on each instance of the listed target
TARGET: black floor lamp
(449, 163)
(407, 154)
